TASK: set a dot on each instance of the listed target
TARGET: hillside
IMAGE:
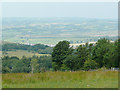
(37, 48)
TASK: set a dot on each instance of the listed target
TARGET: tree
(45, 63)
(47, 50)
(60, 52)
(71, 62)
(5, 70)
(26, 61)
(19, 67)
(83, 53)
(90, 64)
(101, 52)
(116, 54)
(34, 65)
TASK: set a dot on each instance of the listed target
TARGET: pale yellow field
(20, 53)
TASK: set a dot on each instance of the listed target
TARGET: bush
(90, 64)
(64, 68)
(71, 62)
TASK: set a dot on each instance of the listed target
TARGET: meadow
(78, 79)
(21, 53)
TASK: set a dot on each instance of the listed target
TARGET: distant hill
(51, 30)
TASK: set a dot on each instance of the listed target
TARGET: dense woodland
(34, 64)
(65, 58)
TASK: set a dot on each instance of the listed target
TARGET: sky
(102, 10)
(59, 0)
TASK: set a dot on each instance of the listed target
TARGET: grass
(79, 79)
(0, 81)
(20, 53)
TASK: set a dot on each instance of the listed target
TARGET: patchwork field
(79, 79)
(52, 30)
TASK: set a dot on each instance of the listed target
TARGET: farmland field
(78, 79)
(20, 53)
(52, 30)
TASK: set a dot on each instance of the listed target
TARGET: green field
(78, 79)
(20, 53)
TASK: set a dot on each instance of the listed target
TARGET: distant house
(76, 45)
(111, 41)
(114, 69)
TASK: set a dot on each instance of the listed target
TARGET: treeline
(86, 57)
(65, 58)
(34, 64)
(39, 48)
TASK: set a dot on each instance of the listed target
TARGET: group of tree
(39, 48)
(33, 64)
(86, 57)
(64, 57)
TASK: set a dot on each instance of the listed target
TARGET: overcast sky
(60, 9)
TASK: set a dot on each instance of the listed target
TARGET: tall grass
(79, 79)
(0, 81)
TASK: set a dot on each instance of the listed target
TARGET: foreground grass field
(79, 79)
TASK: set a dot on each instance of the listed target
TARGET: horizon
(83, 18)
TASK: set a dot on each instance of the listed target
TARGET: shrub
(90, 64)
